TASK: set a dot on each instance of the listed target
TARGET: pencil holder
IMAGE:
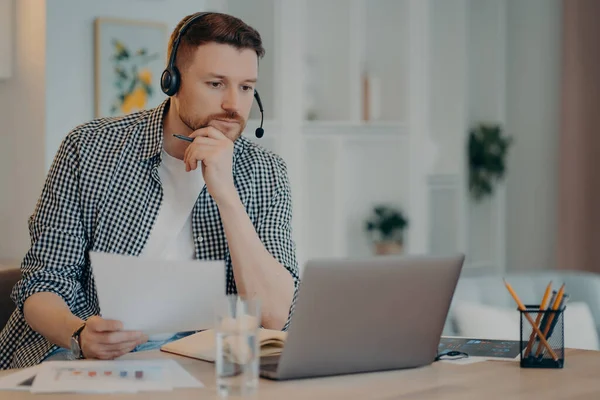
(537, 353)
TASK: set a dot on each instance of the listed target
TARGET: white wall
(533, 77)
(386, 48)
(486, 227)
(448, 109)
(22, 117)
(260, 14)
(512, 77)
(448, 84)
(330, 76)
(70, 54)
(7, 16)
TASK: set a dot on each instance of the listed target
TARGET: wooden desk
(488, 380)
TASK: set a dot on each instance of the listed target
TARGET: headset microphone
(259, 131)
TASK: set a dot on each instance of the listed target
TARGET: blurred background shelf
(359, 129)
(345, 86)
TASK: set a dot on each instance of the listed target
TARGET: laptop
(365, 315)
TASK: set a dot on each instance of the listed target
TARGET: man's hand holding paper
(155, 296)
(105, 339)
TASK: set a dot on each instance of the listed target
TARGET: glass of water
(237, 354)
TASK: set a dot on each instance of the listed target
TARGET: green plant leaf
(386, 222)
(487, 151)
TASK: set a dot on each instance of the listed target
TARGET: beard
(198, 123)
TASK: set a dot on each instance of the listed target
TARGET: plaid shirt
(103, 193)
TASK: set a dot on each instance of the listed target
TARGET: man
(127, 185)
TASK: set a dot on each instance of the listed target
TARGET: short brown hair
(213, 27)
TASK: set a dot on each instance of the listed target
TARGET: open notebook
(202, 345)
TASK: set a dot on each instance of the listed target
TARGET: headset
(171, 79)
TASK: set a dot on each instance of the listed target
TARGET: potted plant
(386, 228)
(487, 152)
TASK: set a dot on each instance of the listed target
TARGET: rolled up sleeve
(275, 229)
(56, 255)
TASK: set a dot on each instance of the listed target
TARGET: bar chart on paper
(111, 377)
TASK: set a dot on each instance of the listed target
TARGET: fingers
(205, 141)
(124, 349)
(99, 324)
(209, 132)
(207, 147)
(124, 346)
(110, 351)
(190, 162)
(119, 337)
(111, 355)
(193, 154)
(106, 331)
(105, 339)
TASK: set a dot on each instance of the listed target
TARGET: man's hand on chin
(214, 151)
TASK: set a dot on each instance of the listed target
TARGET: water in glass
(237, 358)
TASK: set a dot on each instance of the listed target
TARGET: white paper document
(120, 376)
(158, 296)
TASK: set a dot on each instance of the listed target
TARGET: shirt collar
(152, 132)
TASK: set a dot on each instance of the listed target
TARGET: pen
(561, 308)
(533, 325)
(544, 322)
(187, 139)
(549, 307)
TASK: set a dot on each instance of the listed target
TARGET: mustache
(205, 122)
(229, 116)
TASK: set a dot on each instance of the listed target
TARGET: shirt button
(200, 239)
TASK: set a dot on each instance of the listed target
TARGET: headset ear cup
(170, 78)
(175, 80)
(165, 81)
(169, 81)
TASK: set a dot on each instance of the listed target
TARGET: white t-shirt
(171, 237)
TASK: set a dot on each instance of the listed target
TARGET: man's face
(217, 88)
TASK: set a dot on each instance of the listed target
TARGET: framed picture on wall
(130, 56)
